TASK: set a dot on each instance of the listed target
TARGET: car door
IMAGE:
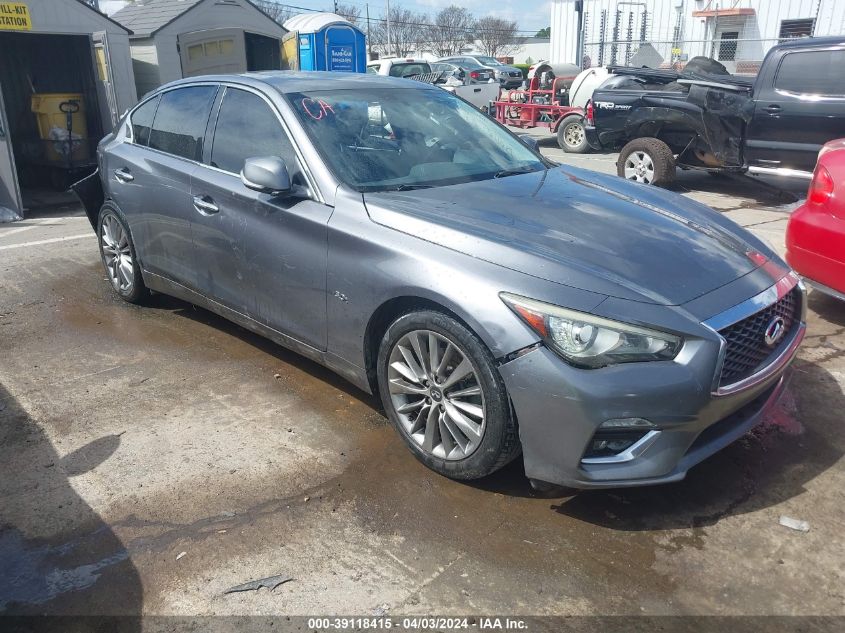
(259, 254)
(10, 192)
(159, 174)
(127, 176)
(799, 106)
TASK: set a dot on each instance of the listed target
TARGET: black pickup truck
(705, 118)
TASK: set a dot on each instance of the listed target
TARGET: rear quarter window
(142, 121)
(812, 73)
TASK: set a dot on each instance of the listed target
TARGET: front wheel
(572, 136)
(441, 390)
(647, 160)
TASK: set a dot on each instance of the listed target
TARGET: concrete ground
(154, 456)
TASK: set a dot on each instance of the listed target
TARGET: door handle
(205, 205)
(773, 109)
(123, 175)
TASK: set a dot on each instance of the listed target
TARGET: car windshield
(408, 138)
(489, 61)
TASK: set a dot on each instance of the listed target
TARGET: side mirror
(268, 174)
(530, 141)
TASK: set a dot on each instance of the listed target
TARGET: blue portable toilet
(326, 41)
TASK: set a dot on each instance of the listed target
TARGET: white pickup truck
(478, 94)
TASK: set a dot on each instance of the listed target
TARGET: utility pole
(369, 41)
(335, 6)
(388, 28)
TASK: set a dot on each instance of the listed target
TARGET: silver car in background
(507, 76)
(612, 333)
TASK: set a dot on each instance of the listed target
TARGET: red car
(815, 235)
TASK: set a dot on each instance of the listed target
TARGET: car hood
(581, 229)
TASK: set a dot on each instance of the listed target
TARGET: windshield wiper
(514, 172)
(407, 187)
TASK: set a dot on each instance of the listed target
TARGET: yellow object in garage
(52, 124)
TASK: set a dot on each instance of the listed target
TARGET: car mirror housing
(268, 174)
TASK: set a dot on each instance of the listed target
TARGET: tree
(451, 31)
(348, 11)
(546, 32)
(278, 12)
(407, 30)
(497, 36)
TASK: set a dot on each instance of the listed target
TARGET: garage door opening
(262, 52)
(48, 83)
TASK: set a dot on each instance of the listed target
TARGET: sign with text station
(14, 16)
(342, 58)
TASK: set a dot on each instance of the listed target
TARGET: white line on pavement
(50, 241)
(20, 229)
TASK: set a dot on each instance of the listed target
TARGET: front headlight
(589, 341)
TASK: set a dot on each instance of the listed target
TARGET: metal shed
(184, 38)
(325, 41)
(55, 52)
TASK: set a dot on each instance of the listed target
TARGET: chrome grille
(746, 349)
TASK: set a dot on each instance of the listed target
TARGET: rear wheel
(647, 160)
(441, 390)
(572, 136)
(118, 254)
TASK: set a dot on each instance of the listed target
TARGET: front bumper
(559, 409)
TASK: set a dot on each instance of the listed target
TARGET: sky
(530, 15)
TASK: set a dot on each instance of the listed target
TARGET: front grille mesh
(746, 348)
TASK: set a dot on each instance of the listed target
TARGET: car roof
(804, 42)
(285, 81)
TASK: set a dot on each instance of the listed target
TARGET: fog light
(608, 444)
(627, 423)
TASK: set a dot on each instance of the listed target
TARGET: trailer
(547, 102)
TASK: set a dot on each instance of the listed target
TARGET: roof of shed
(146, 17)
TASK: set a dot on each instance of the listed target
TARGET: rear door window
(180, 121)
(247, 127)
(409, 70)
(142, 121)
(812, 73)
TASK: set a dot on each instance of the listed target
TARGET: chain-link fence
(668, 33)
(739, 56)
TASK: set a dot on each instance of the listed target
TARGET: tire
(437, 431)
(117, 252)
(647, 160)
(571, 135)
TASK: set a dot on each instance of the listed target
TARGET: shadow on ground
(57, 556)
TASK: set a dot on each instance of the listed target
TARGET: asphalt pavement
(153, 457)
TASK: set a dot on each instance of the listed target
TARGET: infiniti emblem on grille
(774, 331)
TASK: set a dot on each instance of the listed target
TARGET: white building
(736, 32)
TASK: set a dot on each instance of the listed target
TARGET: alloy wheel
(436, 394)
(117, 255)
(639, 166)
